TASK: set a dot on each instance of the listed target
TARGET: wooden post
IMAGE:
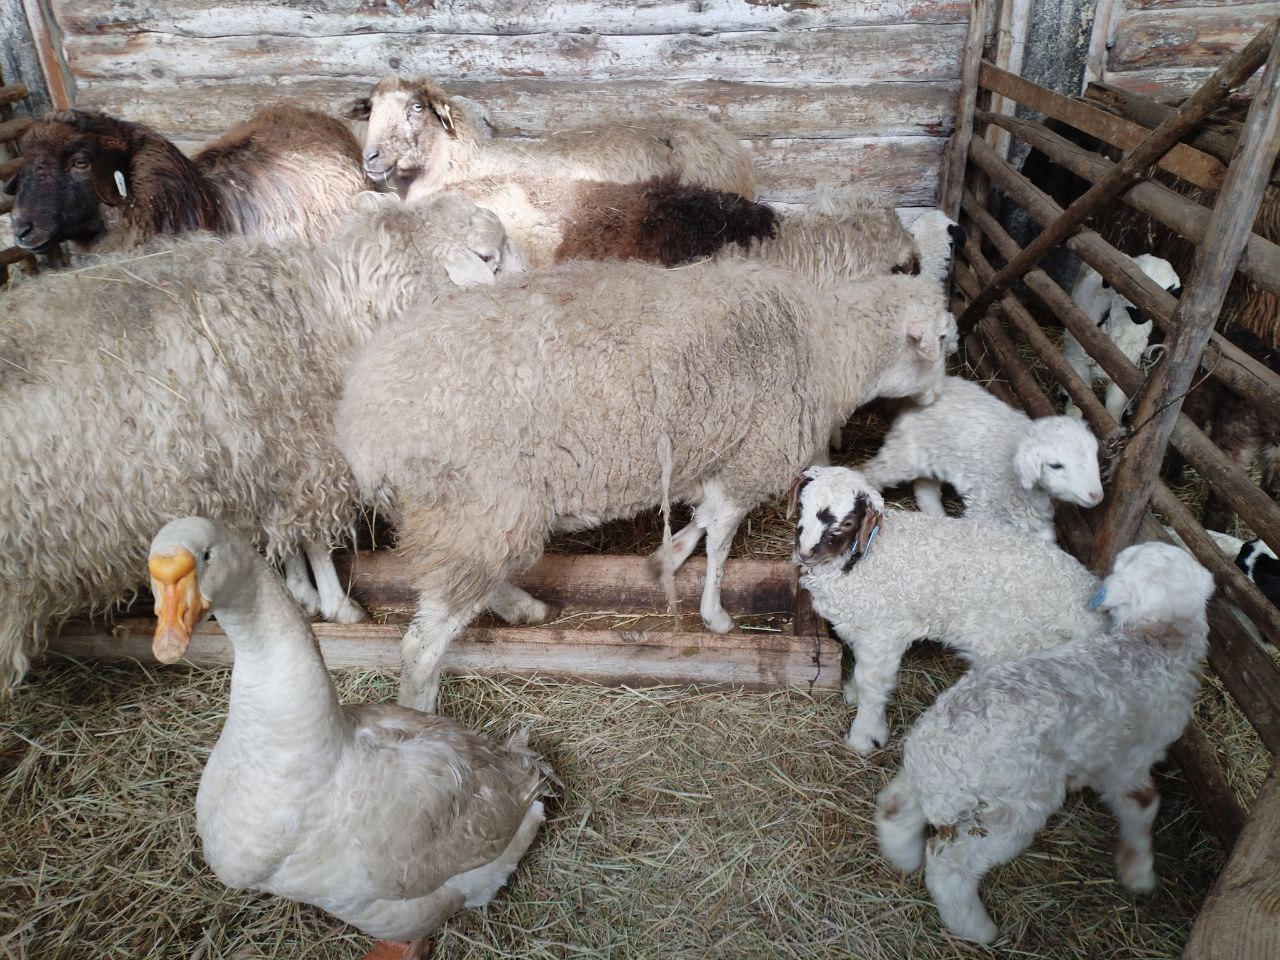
(1151, 113)
(1199, 105)
(957, 152)
(1159, 403)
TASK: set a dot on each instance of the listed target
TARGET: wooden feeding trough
(1240, 918)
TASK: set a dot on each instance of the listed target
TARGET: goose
(388, 818)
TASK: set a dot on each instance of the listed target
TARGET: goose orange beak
(179, 605)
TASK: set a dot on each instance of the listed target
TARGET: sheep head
(1060, 456)
(76, 161)
(838, 516)
(412, 126)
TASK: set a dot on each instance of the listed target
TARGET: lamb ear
(871, 519)
(923, 338)
(444, 111)
(1026, 465)
(513, 258)
(793, 496)
(358, 109)
(466, 269)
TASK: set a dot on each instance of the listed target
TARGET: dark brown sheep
(660, 220)
(109, 184)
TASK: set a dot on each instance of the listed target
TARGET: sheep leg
(875, 672)
(335, 605)
(299, 583)
(719, 516)
(958, 857)
(682, 546)
(1134, 801)
(424, 645)
(515, 605)
(929, 497)
(1115, 401)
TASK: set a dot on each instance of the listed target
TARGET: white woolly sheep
(563, 401)
(992, 759)
(1006, 467)
(198, 376)
(421, 140)
(887, 578)
(1125, 324)
(936, 237)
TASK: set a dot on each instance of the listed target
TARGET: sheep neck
(280, 690)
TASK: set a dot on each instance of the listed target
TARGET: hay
(695, 823)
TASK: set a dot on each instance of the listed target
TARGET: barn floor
(695, 823)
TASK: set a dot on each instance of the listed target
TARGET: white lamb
(887, 578)
(1127, 326)
(992, 759)
(936, 237)
(1006, 467)
(200, 376)
(597, 390)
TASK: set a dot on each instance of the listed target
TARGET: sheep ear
(358, 109)
(466, 269)
(923, 337)
(444, 111)
(793, 497)
(1026, 465)
(868, 523)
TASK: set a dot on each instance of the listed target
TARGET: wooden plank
(12, 93)
(1261, 260)
(51, 63)
(12, 129)
(12, 255)
(533, 108)
(898, 170)
(1161, 82)
(1199, 762)
(1105, 16)
(1240, 919)
(1182, 160)
(323, 18)
(591, 582)
(849, 55)
(9, 167)
(19, 61)
(1151, 113)
(957, 151)
(1186, 38)
(1160, 401)
(754, 661)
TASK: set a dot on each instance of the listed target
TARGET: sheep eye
(207, 555)
(79, 163)
(1055, 466)
(416, 107)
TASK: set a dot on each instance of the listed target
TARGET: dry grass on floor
(695, 824)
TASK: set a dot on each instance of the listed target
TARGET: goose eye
(207, 555)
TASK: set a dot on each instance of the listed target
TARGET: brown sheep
(110, 184)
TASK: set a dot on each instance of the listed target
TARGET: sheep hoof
(977, 930)
(718, 621)
(655, 563)
(348, 611)
(538, 612)
(864, 743)
(1144, 882)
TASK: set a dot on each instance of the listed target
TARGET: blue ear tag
(871, 538)
(1099, 595)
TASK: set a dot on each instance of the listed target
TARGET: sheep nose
(22, 228)
(371, 153)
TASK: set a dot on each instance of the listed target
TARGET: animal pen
(920, 103)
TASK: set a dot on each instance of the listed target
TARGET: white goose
(388, 818)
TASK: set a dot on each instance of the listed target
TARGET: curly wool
(189, 377)
(547, 403)
(999, 460)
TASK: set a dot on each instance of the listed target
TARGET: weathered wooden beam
(9, 167)
(1155, 145)
(1240, 919)
(1160, 401)
(1151, 113)
(12, 129)
(756, 661)
(622, 584)
(957, 153)
(1223, 360)
(12, 93)
(12, 255)
(1261, 259)
(56, 78)
(1182, 160)
(976, 353)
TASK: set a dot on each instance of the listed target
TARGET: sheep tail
(900, 824)
(666, 460)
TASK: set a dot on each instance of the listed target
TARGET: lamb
(564, 402)
(198, 375)
(992, 759)
(107, 184)
(984, 591)
(421, 138)
(1125, 324)
(936, 237)
(1006, 467)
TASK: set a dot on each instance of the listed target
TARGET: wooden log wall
(1165, 48)
(826, 91)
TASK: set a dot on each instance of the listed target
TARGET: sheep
(936, 237)
(198, 375)
(422, 140)
(988, 764)
(565, 401)
(1006, 467)
(987, 592)
(1125, 324)
(109, 184)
